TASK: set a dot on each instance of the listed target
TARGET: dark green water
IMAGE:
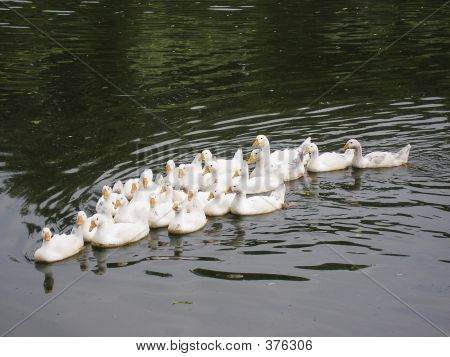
(357, 253)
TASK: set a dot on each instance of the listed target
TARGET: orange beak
(175, 205)
(152, 202)
(117, 204)
(163, 189)
(346, 147)
(235, 174)
(190, 195)
(251, 159)
(256, 143)
(134, 187)
(47, 236)
(80, 220)
(206, 170)
(181, 173)
(145, 182)
(168, 169)
(105, 194)
(230, 190)
(211, 196)
(93, 225)
(202, 157)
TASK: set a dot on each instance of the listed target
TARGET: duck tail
(239, 155)
(302, 147)
(279, 192)
(404, 153)
(118, 187)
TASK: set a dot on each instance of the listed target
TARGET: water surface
(95, 91)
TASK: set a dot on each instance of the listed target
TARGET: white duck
(246, 206)
(261, 184)
(130, 187)
(224, 165)
(218, 203)
(292, 161)
(171, 177)
(377, 158)
(161, 211)
(106, 203)
(146, 186)
(131, 212)
(118, 187)
(186, 222)
(84, 222)
(328, 161)
(110, 235)
(220, 180)
(168, 193)
(60, 246)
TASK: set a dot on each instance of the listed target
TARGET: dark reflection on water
(245, 276)
(333, 266)
(218, 76)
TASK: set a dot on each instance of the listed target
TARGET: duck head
(96, 221)
(106, 192)
(146, 178)
(255, 155)
(152, 200)
(181, 171)
(177, 206)
(352, 144)
(46, 234)
(261, 141)
(311, 148)
(206, 155)
(170, 166)
(81, 218)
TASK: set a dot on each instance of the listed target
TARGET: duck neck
(240, 196)
(358, 154)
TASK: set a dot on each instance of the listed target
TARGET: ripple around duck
(244, 276)
(340, 243)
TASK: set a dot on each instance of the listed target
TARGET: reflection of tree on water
(48, 278)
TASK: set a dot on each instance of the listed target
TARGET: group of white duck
(209, 186)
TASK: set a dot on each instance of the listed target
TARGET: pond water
(95, 91)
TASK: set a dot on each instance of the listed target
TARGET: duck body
(255, 205)
(377, 159)
(291, 162)
(85, 222)
(328, 161)
(132, 212)
(111, 235)
(188, 218)
(260, 184)
(219, 205)
(130, 187)
(224, 165)
(60, 246)
(160, 212)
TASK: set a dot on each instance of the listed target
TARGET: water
(357, 252)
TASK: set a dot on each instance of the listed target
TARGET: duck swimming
(328, 161)
(60, 246)
(377, 158)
